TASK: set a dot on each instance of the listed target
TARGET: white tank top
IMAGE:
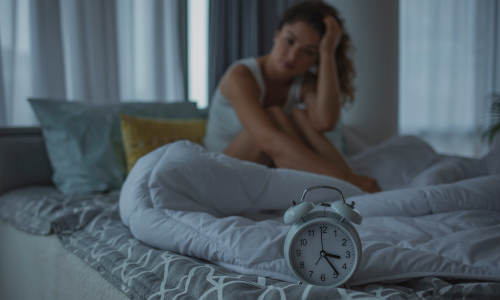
(224, 125)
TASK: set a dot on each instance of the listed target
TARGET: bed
(58, 246)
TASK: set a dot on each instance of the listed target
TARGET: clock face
(323, 254)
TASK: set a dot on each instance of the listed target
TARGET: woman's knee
(280, 119)
(299, 112)
(283, 122)
(276, 112)
(303, 123)
(300, 118)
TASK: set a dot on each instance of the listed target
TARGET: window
(198, 52)
(447, 50)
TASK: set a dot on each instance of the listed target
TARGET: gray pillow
(84, 142)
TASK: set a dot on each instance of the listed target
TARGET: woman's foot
(365, 183)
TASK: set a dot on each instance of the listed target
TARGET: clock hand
(332, 255)
(318, 260)
(331, 265)
(321, 230)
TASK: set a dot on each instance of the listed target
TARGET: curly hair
(312, 13)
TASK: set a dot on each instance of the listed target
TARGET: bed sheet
(144, 272)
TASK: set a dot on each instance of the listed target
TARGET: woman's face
(295, 48)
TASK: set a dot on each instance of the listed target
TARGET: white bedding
(438, 215)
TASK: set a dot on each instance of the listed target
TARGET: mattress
(89, 235)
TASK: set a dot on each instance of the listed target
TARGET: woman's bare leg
(283, 123)
(245, 148)
(316, 140)
(321, 145)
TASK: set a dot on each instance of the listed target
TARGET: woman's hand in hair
(332, 36)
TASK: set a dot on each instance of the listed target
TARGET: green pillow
(84, 142)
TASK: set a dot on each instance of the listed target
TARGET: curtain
(15, 62)
(240, 29)
(94, 51)
(153, 49)
(447, 65)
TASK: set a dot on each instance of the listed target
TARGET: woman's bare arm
(322, 97)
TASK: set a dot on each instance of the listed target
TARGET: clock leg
(299, 282)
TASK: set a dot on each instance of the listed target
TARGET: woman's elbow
(325, 125)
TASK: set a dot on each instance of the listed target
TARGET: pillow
(84, 142)
(492, 158)
(141, 136)
(449, 169)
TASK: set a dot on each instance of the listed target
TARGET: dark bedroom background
(424, 67)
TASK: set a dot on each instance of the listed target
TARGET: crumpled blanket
(439, 215)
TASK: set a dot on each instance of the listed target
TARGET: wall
(373, 27)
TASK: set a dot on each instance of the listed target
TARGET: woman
(254, 114)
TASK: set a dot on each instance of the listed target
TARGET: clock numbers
(319, 257)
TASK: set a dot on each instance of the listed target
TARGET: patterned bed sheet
(90, 227)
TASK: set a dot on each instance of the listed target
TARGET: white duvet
(437, 216)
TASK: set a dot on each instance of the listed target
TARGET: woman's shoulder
(239, 70)
(238, 78)
(238, 74)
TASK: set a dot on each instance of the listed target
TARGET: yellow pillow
(141, 136)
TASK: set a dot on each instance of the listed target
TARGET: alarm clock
(323, 247)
